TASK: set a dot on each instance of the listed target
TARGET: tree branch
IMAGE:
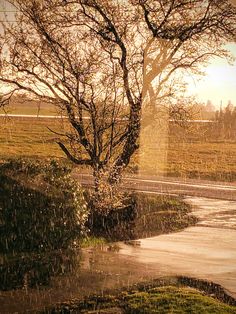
(72, 158)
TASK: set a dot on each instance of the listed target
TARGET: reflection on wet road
(207, 251)
(214, 213)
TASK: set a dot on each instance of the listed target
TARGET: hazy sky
(218, 85)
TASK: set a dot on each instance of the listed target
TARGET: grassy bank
(198, 158)
(163, 296)
(142, 215)
(159, 214)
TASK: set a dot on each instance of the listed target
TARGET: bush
(118, 224)
(41, 206)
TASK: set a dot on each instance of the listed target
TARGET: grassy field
(30, 137)
(29, 108)
(209, 160)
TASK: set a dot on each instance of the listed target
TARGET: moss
(151, 300)
(174, 300)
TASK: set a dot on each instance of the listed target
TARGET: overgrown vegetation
(42, 207)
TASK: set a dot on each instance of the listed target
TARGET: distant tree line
(208, 123)
(226, 121)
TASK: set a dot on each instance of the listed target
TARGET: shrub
(41, 206)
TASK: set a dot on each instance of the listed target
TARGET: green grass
(29, 137)
(159, 300)
(174, 300)
(208, 160)
(92, 242)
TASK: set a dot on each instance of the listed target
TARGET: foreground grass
(158, 300)
(21, 137)
(174, 300)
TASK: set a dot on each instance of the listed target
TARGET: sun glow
(219, 83)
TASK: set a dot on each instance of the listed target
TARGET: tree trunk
(107, 195)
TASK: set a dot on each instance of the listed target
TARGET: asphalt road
(188, 187)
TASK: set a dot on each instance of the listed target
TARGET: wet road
(178, 186)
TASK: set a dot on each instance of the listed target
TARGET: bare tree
(100, 60)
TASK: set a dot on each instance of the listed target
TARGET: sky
(218, 85)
